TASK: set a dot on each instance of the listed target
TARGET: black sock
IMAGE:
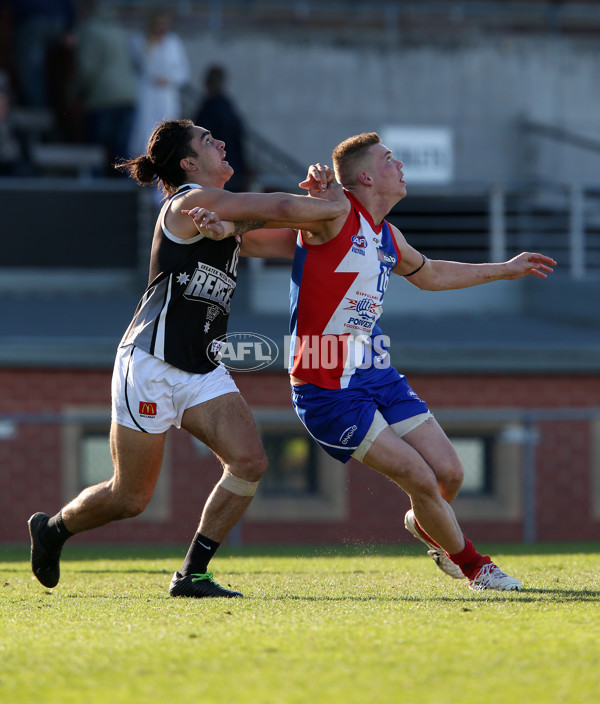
(199, 555)
(56, 533)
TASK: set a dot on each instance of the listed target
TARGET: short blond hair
(348, 155)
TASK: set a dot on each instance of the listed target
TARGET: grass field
(345, 625)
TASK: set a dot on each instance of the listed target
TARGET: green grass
(348, 625)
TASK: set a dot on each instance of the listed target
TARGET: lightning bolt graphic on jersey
(358, 288)
(359, 328)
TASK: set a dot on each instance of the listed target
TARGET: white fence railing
(497, 222)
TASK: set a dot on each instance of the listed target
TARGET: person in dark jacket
(218, 114)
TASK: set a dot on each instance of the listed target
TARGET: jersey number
(234, 263)
(383, 279)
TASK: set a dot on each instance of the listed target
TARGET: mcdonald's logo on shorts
(147, 409)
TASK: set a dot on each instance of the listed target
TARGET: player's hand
(318, 178)
(333, 192)
(530, 264)
(320, 183)
(208, 223)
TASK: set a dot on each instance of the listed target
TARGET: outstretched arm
(210, 225)
(278, 209)
(440, 275)
(280, 243)
(277, 238)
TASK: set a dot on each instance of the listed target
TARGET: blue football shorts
(339, 419)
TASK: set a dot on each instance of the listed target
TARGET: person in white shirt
(163, 68)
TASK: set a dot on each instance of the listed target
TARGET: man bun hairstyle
(168, 144)
(143, 169)
(348, 154)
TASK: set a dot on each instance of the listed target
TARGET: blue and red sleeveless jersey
(336, 296)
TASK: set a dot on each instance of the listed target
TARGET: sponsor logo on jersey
(211, 285)
(347, 434)
(365, 307)
(358, 324)
(214, 347)
(212, 313)
(388, 259)
(359, 244)
(147, 409)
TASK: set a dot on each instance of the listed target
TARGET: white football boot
(490, 576)
(437, 554)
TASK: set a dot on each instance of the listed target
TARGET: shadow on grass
(128, 570)
(560, 594)
(526, 595)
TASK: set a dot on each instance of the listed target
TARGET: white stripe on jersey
(159, 345)
(168, 234)
(366, 280)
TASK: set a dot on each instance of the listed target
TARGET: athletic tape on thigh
(236, 485)
(378, 425)
(405, 426)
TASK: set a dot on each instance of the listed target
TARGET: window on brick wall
(302, 483)
(86, 458)
(490, 446)
(293, 463)
(476, 452)
(95, 461)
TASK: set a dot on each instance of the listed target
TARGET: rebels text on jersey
(336, 299)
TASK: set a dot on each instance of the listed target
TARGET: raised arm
(280, 243)
(440, 275)
(278, 209)
(276, 238)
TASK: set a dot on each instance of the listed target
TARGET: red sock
(469, 560)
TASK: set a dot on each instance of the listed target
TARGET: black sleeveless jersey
(186, 305)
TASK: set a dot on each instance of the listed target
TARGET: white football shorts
(150, 395)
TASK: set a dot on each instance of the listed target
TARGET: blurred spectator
(105, 81)
(163, 68)
(218, 114)
(12, 162)
(40, 25)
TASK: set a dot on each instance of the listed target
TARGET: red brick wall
(30, 462)
(563, 452)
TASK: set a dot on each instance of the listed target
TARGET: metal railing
(524, 428)
(497, 222)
